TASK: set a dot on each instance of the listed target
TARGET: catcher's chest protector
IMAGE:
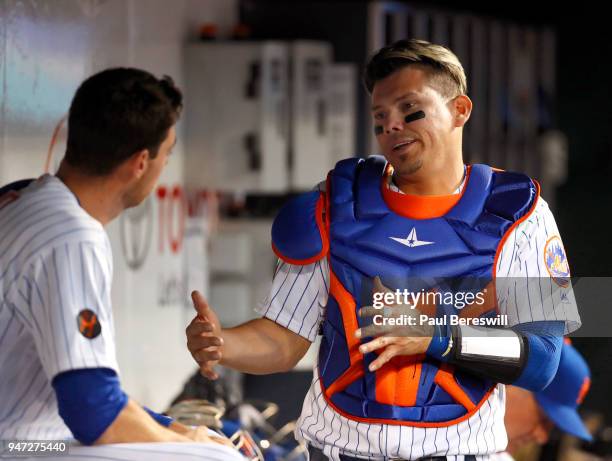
(369, 234)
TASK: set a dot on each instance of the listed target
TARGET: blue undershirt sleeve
(89, 400)
(544, 353)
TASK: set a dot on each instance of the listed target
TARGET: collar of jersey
(420, 206)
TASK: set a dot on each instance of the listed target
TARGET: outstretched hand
(204, 339)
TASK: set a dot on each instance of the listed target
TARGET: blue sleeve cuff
(89, 400)
(161, 419)
(544, 343)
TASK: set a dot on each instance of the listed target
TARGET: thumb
(200, 304)
(378, 286)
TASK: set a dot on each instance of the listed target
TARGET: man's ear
(462, 109)
(139, 163)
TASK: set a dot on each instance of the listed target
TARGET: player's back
(38, 230)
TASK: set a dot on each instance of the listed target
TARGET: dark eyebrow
(404, 96)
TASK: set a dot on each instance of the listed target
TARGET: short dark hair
(116, 113)
(444, 67)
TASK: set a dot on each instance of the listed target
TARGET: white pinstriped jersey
(297, 300)
(55, 261)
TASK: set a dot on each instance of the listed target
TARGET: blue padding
(295, 233)
(367, 238)
(512, 195)
(471, 204)
(161, 419)
(15, 186)
(473, 386)
(368, 199)
(89, 400)
(346, 167)
(545, 341)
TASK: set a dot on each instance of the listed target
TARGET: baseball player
(530, 416)
(417, 220)
(60, 377)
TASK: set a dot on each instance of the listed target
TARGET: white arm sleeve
(60, 285)
(533, 281)
(297, 297)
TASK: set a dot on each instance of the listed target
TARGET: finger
(383, 358)
(198, 327)
(375, 344)
(370, 311)
(194, 344)
(199, 303)
(203, 356)
(208, 372)
(373, 331)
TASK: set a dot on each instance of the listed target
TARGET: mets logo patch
(88, 324)
(556, 261)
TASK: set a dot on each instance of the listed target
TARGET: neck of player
(428, 181)
(98, 196)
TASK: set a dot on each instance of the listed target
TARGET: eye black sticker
(418, 115)
(88, 324)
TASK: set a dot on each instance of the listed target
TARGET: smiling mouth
(403, 144)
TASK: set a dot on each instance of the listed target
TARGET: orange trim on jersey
(513, 226)
(322, 233)
(586, 385)
(419, 206)
(446, 380)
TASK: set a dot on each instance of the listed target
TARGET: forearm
(261, 346)
(133, 424)
(526, 357)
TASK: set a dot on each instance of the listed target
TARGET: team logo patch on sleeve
(88, 324)
(556, 261)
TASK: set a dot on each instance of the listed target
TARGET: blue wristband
(161, 419)
(439, 345)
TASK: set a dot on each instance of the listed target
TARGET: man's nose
(393, 123)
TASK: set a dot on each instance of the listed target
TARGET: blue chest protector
(454, 252)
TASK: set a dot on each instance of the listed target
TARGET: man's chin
(132, 202)
(405, 166)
